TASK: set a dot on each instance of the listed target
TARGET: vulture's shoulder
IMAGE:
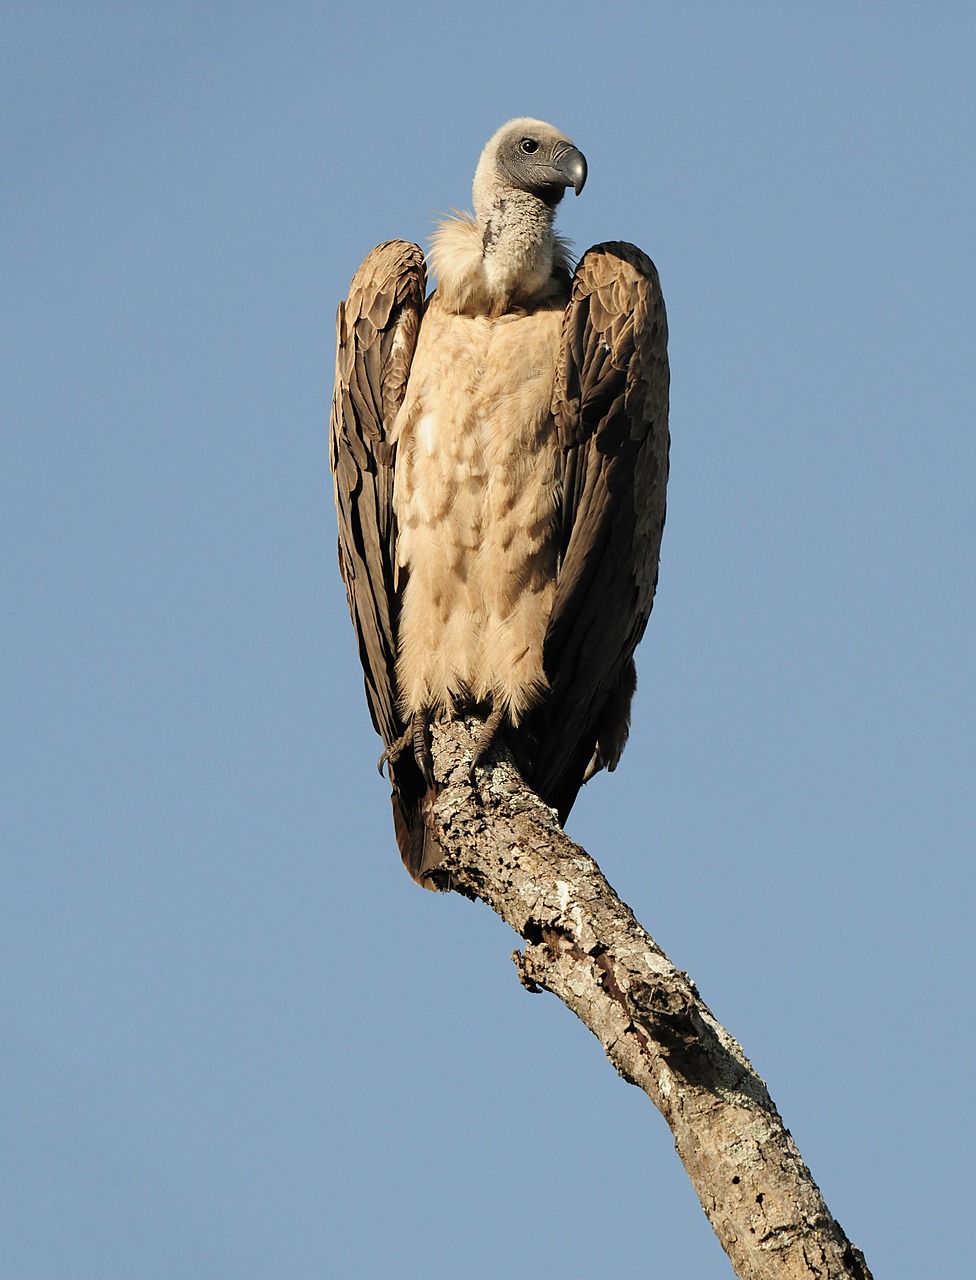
(615, 338)
(377, 327)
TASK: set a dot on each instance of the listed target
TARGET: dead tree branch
(504, 846)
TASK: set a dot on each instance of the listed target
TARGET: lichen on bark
(502, 845)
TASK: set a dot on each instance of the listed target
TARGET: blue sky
(237, 1040)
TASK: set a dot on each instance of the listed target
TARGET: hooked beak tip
(572, 165)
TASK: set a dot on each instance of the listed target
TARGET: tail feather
(416, 836)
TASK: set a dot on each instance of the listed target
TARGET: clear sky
(237, 1040)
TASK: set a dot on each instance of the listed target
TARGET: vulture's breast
(475, 495)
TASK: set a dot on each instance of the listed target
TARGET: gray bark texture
(502, 845)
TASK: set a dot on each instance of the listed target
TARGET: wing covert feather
(611, 415)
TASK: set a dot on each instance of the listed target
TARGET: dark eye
(528, 145)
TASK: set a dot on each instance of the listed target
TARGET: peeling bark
(505, 847)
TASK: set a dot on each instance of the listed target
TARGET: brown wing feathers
(377, 330)
(611, 421)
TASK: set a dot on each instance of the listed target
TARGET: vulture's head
(531, 156)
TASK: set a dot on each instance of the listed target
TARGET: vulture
(500, 457)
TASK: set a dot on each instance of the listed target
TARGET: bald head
(531, 156)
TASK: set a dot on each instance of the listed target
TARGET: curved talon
(395, 750)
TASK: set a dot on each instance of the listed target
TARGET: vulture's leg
(486, 737)
(417, 736)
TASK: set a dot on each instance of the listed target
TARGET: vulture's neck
(509, 258)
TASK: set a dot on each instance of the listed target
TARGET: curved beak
(571, 163)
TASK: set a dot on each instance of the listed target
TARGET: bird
(499, 451)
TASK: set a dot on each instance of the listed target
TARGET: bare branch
(504, 846)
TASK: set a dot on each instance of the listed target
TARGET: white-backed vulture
(500, 455)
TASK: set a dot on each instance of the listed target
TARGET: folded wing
(377, 328)
(611, 417)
